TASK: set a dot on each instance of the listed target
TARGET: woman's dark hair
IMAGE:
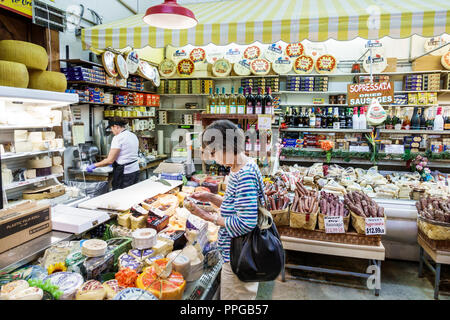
(232, 136)
(116, 121)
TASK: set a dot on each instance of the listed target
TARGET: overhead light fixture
(170, 15)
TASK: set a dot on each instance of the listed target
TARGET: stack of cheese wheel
(144, 238)
(18, 56)
(163, 286)
(94, 248)
(68, 283)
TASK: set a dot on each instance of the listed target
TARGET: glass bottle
(324, 118)
(306, 118)
(406, 123)
(430, 120)
(415, 120)
(349, 119)
(312, 119)
(268, 102)
(396, 121)
(423, 121)
(232, 102)
(330, 118)
(241, 101)
(388, 123)
(259, 101)
(447, 121)
(250, 101)
(211, 107)
(342, 121)
(318, 119)
(336, 121)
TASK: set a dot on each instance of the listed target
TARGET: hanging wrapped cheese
(198, 55)
(167, 68)
(326, 64)
(185, 68)
(132, 59)
(156, 78)
(376, 115)
(146, 71)
(304, 64)
(233, 54)
(445, 60)
(221, 68)
(295, 50)
(122, 67)
(242, 68)
(273, 52)
(282, 65)
(379, 62)
(260, 67)
(252, 52)
(108, 59)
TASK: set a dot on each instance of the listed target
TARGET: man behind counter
(123, 156)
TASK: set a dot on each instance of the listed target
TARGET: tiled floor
(399, 281)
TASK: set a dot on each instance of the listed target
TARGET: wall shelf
(19, 184)
(104, 85)
(29, 154)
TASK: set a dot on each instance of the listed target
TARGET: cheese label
(294, 50)
(122, 67)
(221, 68)
(185, 67)
(233, 55)
(242, 68)
(273, 52)
(260, 66)
(198, 55)
(252, 52)
(445, 60)
(304, 64)
(91, 285)
(108, 59)
(146, 70)
(167, 68)
(326, 64)
(179, 54)
(132, 62)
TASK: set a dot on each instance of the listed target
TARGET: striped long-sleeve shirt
(240, 205)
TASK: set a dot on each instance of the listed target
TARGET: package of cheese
(57, 161)
(91, 290)
(124, 220)
(13, 288)
(163, 246)
(57, 169)
(20, 135)
(112, 288)
(30, 174)
(35, 136)
(29, 294)
(376, 115)
(68, 283)
(49, 135)
(23, 146)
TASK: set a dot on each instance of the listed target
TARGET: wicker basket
(441, 245)
(322, 222)
(347, 238)
(303, 220)
(434, 230)
(359, 223)
(281, 217)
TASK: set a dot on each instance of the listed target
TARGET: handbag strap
(265, 219)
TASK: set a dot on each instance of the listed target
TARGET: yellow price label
(22, 7)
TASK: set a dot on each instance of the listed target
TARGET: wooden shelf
(104, 85)
(415, 132)
(81, 62)
(115, 105)
(230, 116)
(141, 117)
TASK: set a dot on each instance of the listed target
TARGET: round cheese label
(167, 68)
(179, 55)
(294, 50)
(213, 55)
(134, 294)
(94, 244)
(445, 60)
(273, 52)
(122, 67)
(156, 79)
(91, 285)
(326, 64)
(185, 67)
(282, 65)
(242, 68)
(260, 66)
(233, 54)
(379, 62)
(68, 282)
(146, 70)
(221, 68)
(252, 52)
(108, 59)
(304, 64)
(132, 62)
(435, 43)
(198, 55)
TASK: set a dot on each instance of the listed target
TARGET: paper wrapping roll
(160, 142)
(167, 146)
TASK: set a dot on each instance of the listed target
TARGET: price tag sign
(375, 226)
(394, 148)
(334, 224)
(264, 122)
(373, 44)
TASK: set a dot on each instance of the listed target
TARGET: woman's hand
(205, 215)
(202, 196)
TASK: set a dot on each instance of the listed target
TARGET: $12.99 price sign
(375, 226)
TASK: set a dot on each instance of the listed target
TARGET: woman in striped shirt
(224, 142)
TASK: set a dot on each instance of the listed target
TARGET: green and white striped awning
(268, 21)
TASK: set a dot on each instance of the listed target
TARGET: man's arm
(112, 156)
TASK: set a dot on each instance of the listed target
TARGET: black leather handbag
(258, 256)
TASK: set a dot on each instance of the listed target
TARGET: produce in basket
(305, 201)
(436, 209)
(362, 205)
(330, 205)
(276, 192)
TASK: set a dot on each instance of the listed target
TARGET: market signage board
(361, 94)
(22, 7)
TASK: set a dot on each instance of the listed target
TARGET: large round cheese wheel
(146, 71)
(445, 60)
(134, 294)
(326, 64)
(127, 261)
(112, 288)
(170, 288)
(282, 65)
(198, 55)
(122, 66)
(31, 293)
(47, 80)
(377, 66)
(304, 64)
(108, 59)
(233, 54)
(252, 52)
(295, 50)
(91, 290)
(185, 68)
(180, 262)
(39, 163)
(29, 54)
(273, 52)
(68, 283)
(13, 74)
(212, 55)
(260, 67)
(144, 238)
(242, 68)
(133, 61)
(156, 78)
(221, 68)
(13, 288)
(167, 68)
(94, 248)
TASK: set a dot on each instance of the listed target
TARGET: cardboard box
(23, 223)
(392, 65)
(427, 63)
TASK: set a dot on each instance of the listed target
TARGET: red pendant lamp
(170, 15)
